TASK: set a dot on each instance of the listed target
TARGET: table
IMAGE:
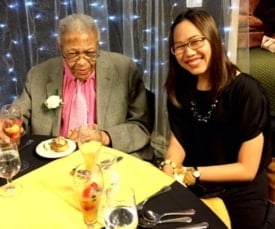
(47, 199)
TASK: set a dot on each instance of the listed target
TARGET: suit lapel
(104, 79)
(54, 87)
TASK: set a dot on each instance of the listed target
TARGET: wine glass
(89, 143)
(9, 166)
(13, 121)
(88, 185)
(12, 115)
(120, 208)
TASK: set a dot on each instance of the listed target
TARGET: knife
(201, 225)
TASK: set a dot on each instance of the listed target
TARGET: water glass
(9, 166)
(120, 208)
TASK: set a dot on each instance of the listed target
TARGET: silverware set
(150, 219)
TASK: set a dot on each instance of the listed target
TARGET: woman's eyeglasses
(194, 44)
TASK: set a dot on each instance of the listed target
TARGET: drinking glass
(13, 126)
(13, 121)
(88, 185)
(89, 143)
(9, 167)
(120, 208)
(108, 164)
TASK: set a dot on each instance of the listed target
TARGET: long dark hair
(221, 69)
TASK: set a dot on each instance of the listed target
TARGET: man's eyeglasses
(194, 44)
(90, 56)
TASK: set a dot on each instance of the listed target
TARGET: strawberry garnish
(90, 189)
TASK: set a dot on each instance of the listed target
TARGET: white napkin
(268, 43)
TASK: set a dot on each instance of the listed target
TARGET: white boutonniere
(53, 102)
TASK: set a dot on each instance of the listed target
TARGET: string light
(112, 18)
(14, 42)
(12, 6)
(227, 29)
(134, 17)
(38, 16)
(94, 4)
(29, 3)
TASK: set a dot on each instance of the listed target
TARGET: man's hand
(73, 134)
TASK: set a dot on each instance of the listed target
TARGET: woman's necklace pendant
(199, 117)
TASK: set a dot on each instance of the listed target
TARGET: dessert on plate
(58, 144)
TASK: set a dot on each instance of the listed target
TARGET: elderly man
(87, 85)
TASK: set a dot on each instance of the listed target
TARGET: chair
(151, 104)
(271, 179)
(217, 205)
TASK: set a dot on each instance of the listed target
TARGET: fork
(161, 191)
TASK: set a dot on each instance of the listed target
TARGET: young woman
(219, 117)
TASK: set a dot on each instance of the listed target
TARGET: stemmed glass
(13, 121)
(120, 209)
(9, 166)
(88, 185)
(13, 125)
(89, 143)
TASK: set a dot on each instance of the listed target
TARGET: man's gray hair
(80, 22)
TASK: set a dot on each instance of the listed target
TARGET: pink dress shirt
(69, 90)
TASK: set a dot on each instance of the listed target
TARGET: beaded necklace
(199, 117)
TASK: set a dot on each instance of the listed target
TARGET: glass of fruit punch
(88, 186)
(12, 115)
(13, 121)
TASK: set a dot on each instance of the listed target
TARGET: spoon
(143, 222)
(161, 191)
(29, 142)
(153, 216)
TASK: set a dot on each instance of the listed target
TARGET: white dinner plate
(43, 149)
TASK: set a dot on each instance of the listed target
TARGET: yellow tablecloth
(47, 199)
